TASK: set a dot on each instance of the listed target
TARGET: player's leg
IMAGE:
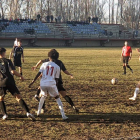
(24, 106)
(62, 91)
(60, 105)
(2, 104)
(53, 91)
(15, 92)
(42, 99)
(136, 92)
(127, 60)
(20, 70)
(124, 65)
(69, 100)
(37, 94)
(38, 99)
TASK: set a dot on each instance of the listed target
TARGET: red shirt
(126, 51)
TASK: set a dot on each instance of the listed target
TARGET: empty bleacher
(87, 30)
(22, 29)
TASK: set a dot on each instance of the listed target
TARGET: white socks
(42, 99)
(136, 92)
(60, 107)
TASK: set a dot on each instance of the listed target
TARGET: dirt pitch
(105, 111)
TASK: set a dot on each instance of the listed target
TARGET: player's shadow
(89, 118)
(96, 118)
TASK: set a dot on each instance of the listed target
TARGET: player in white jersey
(16, 42)
(50, 75)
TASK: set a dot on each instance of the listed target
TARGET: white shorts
(53, 91)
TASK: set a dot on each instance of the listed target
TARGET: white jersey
(49, 71)
(15, 43)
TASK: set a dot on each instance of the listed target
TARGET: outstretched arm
(38, 63)
(39, 73)
(66, 72)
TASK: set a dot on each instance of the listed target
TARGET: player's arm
(11, 53)
(130, 56)
(38, 63)
(36, 77)
(66, 72)
(13, 71)
(23, 57)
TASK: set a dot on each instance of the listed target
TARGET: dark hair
(53, 54)
(2, 50)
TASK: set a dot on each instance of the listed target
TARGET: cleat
(132, 71)
(37, 98)
(65, 118)
(5, 117)
(42, 111)
(124, 74)
(132, 98)
(29, 115)
(76, 110)
(38, 113)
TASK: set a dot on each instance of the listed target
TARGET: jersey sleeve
(63, 66)
(41, 68)
(57, 72)
(11, 65)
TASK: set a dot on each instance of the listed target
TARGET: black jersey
(18, 51)
(61, 65)
(5, 70)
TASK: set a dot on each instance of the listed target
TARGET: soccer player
(60, 87)
(7, 82)
(137, 89)
(50, 75)
(16, 42)
(126, 56)
(17, 52)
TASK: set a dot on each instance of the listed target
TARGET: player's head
(19, 43)
(53, 54)
(2, 52)
(126, 43)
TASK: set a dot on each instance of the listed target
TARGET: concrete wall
(5, 42)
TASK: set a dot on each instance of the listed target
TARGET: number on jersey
(49, 69)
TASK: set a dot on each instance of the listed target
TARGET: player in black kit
(17, 52)
(60, 87)
(7, 82)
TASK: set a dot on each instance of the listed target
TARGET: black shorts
(17, 63)
(11, 88)
(60, 87)
(125, 59)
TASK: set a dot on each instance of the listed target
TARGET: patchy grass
(105, 111)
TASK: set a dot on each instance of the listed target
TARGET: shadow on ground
(106, 118)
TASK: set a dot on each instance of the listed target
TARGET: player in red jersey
(126, 56)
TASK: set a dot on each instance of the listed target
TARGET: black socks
(38, 92)
(124, 68)
(3, 107)
(68, 99)
(23, 105)
(129, 67)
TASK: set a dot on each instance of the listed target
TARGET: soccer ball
(114, 81)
